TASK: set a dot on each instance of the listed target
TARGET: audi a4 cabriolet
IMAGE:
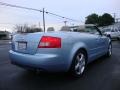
(68, 50)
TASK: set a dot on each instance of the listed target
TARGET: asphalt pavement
(102, 74)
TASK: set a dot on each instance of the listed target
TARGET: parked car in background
(69, 50)
(112, 33)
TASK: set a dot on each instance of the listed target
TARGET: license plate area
(22, 45)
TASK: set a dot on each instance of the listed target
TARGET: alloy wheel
(80, 64)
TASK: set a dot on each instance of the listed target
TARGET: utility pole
(65, 22)
(73, 24)
(114, 15)
(44, 19)
(39, 25)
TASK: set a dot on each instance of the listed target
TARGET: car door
(101, 44)
(97, 42)
(100, 41)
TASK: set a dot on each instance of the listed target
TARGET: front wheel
(118, 38)
(109, 53)
(79, 63)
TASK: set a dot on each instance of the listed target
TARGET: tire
(118, 38)
(79, 63)
(109, 52)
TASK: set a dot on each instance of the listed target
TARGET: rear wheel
(79, 63)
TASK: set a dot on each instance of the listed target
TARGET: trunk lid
(26, 43)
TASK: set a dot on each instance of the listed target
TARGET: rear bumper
(46, 62)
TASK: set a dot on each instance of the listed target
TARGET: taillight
(50, 42)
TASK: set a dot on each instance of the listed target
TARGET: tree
(92, 19)
(27, 29)
(104, 20)
(21, 28)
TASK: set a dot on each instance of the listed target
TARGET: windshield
(86, 29)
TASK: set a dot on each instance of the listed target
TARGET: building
(4, 35)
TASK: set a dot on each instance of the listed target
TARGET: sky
(75, 9)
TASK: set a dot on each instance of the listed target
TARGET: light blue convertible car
(69, 49)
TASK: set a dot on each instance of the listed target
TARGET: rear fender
(75, 48)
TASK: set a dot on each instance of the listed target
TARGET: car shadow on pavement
(42, 80)
(51, 81)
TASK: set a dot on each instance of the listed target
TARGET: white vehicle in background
(112, 33)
